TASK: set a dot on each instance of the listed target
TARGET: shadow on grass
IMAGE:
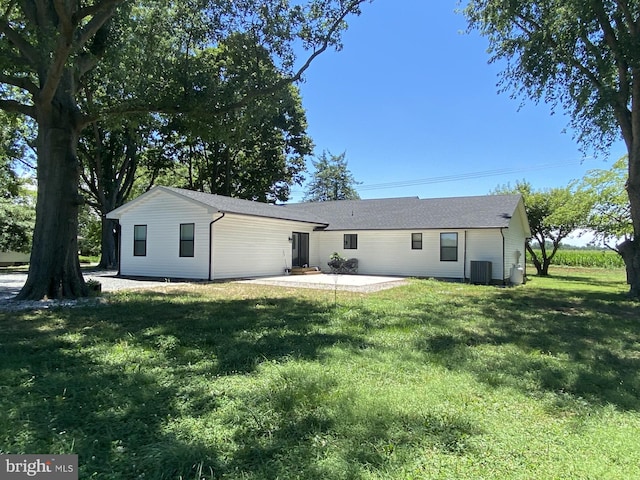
(585, 345)
(106, 382)
(174, 386)
(581, 279)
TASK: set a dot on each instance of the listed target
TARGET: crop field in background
(585, 258)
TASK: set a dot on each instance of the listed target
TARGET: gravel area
(11, 283)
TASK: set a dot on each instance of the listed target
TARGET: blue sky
(412, 100)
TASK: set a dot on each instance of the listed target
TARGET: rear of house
(424, 237)
(175, 233)
(171, 232)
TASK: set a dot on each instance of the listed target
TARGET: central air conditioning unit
(480, 272)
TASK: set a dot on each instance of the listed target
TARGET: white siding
(9, 258)
(485, 245)
(162, 214)
(245, 246)
(389, 253)
(515, 238)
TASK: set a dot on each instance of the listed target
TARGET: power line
(462, 176)
(459, 176)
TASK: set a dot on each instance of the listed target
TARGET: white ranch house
(9, 258)
(172, 232)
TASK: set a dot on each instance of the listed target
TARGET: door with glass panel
(299, 249)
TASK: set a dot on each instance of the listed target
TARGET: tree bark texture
(54, 269)
(542, 264)
(109, 252)
(630, 249)
(630, 252)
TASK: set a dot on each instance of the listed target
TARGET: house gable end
(152, 195)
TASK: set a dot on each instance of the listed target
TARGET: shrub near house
(339, 264)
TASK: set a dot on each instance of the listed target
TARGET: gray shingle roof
(488, 211)
(243, 207)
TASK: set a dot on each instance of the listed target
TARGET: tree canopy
(581, 56)
(331, 179)
(610, 218)
(254, 152)
(553, 215)
(17, 209)
(68, 64)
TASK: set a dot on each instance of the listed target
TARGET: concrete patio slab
(326, 281)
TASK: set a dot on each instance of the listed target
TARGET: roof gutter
(464, 262)
(504, 259)
(211, 241)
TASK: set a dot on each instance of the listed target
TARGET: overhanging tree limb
(632, 25)
(24, 47)
(64, 20)
(21, 82)
(100, 15)
(589, 64)
(622, 67)
(90, 10)
(66, 43)
(248, 97)
(17, 107)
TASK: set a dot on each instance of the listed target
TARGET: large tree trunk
(630, 249)
(542, 263)
(534, 259)
(630, 252)
(54, 269)
(108, 251)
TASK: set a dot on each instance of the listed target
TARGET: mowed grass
(431, 380)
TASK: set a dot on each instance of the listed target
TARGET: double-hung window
(416, 241)
(187, 239)
(448, 247)
(139, 240)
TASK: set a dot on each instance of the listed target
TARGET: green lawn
(430, 380)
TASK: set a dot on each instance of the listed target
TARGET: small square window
(187, 239)
(139, 240)
(350, 241)
(448, 247)
(416, 241)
